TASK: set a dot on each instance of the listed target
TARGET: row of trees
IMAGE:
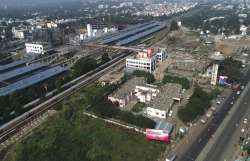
(149, 77)
(184, 82)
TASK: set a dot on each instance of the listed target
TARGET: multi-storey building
(146, 60)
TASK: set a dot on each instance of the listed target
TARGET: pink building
(162, 132)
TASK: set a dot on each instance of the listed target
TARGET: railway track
(14, 126)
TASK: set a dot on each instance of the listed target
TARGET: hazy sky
(17, 2)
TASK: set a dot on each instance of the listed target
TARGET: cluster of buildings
(119, 5)
(97, 30)
(33, 27)
(158, 102)
(166, 8)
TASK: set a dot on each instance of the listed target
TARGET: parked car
(245, 121)
(203, 120)
(170, 113)
(209, 114)
(213, 108)
(218, 102)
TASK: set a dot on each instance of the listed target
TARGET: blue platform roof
(20, 71)
(130, 33)
(139, 36)
(37, 78)
(126, 30)
(11, 65)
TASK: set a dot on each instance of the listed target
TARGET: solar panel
(20, 71)
(37, 78)
(129, 33)
(139, 35)
(11, 65)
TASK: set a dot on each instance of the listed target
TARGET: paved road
(217, 152)
(197, 146)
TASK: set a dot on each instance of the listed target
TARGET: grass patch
(184, 82)
(71, 136)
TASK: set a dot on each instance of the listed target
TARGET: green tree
(106, 109)
(197, 105)
(174, 26)
(105, 58)
(231, 68)
(83, 66)
(149, 77)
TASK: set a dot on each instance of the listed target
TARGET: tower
(217, 58)
(89, 30)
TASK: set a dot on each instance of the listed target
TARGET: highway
(222, 143)
(197, 146)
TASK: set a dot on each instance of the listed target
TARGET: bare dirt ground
(229, 47)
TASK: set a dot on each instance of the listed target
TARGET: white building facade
(89, 30)
(161, 56)
(19, 33)
(146, 64)
(146, 60)
(34, 48)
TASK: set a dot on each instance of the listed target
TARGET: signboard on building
(161, 135)
(34, 48)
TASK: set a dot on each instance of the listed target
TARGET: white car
(213, 108)
(203, 121)
(238, 92)
(218, 102)
(232, 103)
(245, 121)
(170, 113)
(209, 114)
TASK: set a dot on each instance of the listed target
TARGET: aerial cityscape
(124, 80)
